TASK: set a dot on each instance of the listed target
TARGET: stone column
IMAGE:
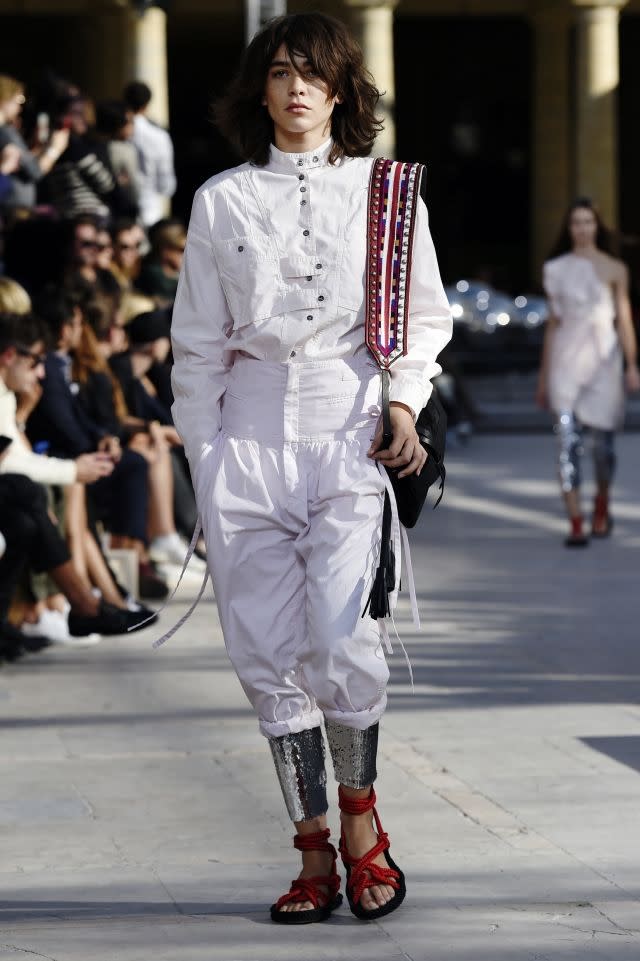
(597, 45)
(147, 58)
(372, 22)
(551, 151)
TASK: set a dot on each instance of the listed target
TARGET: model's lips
(295, 107)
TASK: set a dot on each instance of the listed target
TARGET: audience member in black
(33, 539)
(83, 248)
(149, 346)
(120, 500)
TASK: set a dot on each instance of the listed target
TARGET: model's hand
(406, 451)
(91, 467)
(632, 378)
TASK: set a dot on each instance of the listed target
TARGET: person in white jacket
(21, 363)
(277, 401)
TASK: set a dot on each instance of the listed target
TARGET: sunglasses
(36, 359)
(89, 244)
(129, 246)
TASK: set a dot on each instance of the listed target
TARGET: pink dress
(585, 365)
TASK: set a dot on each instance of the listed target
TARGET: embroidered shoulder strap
(394, 189)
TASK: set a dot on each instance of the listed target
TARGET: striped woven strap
(394, 188)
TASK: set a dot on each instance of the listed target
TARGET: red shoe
(577, 537)
(308, 889)
(362, 873)
(601, 521)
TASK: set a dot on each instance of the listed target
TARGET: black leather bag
(431, 427)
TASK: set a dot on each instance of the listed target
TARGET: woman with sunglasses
(129, 242)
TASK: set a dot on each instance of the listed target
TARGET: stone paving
(140, 818)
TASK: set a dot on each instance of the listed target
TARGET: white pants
(291, 509)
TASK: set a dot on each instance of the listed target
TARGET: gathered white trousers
(291, 510)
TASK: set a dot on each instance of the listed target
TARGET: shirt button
(300, 162)
(309, 278)
(318, 266)
(240, 249)
(321, 297)
(303, 190)
(300, 176)
(292, 354)
(302, 203)
(309, 316)
(305, 233)
(315, 160)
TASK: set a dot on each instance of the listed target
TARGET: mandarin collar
(297, 161)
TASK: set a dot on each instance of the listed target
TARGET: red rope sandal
(362, 873)
(308, 889)
(601, 522)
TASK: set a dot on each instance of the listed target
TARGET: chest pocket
(250, 276)
(351, 274)
(303, 287)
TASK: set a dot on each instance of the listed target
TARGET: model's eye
(278, 74)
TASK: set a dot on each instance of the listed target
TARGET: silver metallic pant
(570, 433)
(299, 761)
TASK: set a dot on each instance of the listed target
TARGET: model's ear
(338, 98)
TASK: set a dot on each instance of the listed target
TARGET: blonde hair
(13, 298)
(9, 87)
(133, 304)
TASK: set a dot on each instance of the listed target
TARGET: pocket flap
(300, 265)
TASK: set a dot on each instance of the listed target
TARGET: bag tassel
(442, 472)
(385, 577)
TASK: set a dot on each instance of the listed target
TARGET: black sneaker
(108, 620)
(10, 642)
(14, 644)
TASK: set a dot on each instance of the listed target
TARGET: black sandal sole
(576, 542)
(362, 914)
(314, 916)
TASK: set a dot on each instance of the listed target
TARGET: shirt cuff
(413, 395)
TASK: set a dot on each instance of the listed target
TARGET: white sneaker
(172, 549)
(53, 624)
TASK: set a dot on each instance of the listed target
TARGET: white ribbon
(400, 540)
(185, 617)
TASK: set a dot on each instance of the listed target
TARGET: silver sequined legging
(570, 433)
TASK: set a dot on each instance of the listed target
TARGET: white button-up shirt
(157, 176)
(275, 266)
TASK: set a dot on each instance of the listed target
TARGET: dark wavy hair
(337, 59)
(564, 243)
